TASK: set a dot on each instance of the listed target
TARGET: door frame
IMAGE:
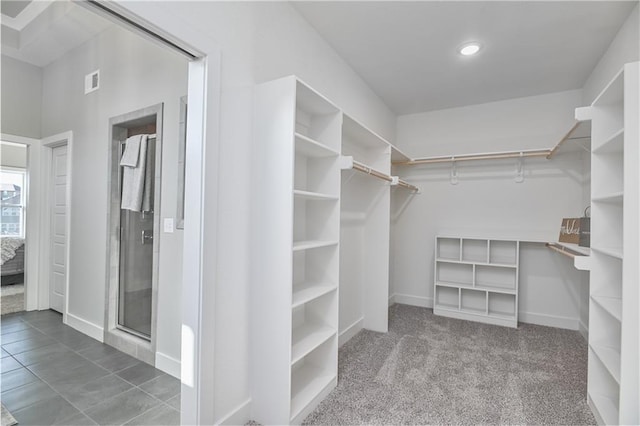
(32, 290)
(47, 146)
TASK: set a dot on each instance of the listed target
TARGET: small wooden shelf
(611, 305)
(314, 196)
(304, 293)
(311, 148)
(307, 383)
(308, 337)
(610, 358)
(311, 244)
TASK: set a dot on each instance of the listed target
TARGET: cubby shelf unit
(477, 279)
(613, 368)
(297, 227)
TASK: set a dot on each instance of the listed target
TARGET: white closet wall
(487, 201)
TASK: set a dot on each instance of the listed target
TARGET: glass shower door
(136, 267)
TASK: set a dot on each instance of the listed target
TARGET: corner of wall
(624, 48)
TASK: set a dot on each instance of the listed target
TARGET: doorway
(135, 182)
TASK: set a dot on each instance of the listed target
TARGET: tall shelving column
(613, 311)
(364, 232)
(294, 324)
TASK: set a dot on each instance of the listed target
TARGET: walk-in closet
(321, 212)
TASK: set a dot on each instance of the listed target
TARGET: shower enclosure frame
(115, 335)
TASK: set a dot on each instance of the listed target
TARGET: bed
(12, 262)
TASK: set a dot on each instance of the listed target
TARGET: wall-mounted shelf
(580, 255)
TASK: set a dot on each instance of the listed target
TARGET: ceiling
(39, 32)
(407, 51)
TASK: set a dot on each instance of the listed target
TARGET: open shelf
(312, 244)
(614, 144)
(314, 196)
(610, 358)
(307, 337)
(306, 292)
(473, 301)
(447, 297)
(609, 251)
(606, 407)
(307, 382)
(612, 198)
(503, 252)
(493, 277)
(475, 250)
(610, 304)
(398, 156)
(311, 148)
(448, 248)
(483, 274)
(454, 273)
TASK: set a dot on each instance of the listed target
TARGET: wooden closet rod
(407, 185)
(393, 179)
(470, 157)
(563, 250)
(368, 170)
(563, 140)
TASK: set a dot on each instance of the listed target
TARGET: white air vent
(92, 82)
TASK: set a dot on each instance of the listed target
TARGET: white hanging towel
(147, 194)
(133, 177)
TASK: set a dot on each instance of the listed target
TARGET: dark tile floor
(53, 374)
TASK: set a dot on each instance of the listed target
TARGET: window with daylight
(12, 182)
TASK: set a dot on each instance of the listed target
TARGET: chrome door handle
(146, 237)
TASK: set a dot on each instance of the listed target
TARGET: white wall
(12, 155)
(21, 98)
(624, 48)
(134, 74)
(258, 42)
(488, 201)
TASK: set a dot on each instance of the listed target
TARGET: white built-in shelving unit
(295, 299)
(613, 372)
(324, 185)
(477, 279)
(364, 231)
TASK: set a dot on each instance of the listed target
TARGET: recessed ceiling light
(469, 49)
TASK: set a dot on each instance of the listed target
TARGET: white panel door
(58, 276)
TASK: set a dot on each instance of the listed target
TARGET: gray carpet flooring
(433, 370)
(11, 298)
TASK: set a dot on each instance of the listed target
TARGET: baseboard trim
(549, 320)
(168, 364)
(584, 330)
(350, 331)
(238, 416)
(406, 299)
(85, 327)
(392, 299)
